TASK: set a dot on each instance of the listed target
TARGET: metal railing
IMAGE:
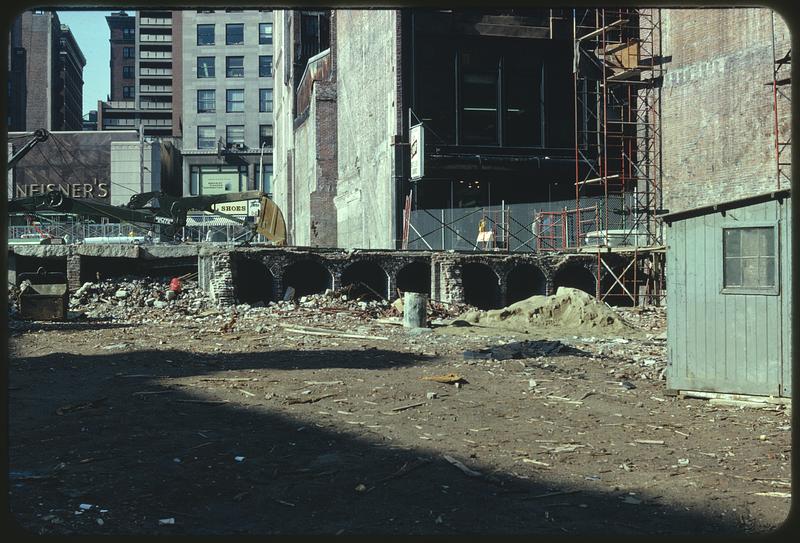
(155, 71)
(161, 38)
(154, 21)
(155, 55)
(155, 88)
(155, 105)
(122, 104)
(119, 122)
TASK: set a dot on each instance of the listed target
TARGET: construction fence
(543, 226)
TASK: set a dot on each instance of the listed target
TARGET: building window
(234, 134)
(265, 66)
(127, 52)
(234, 66)
(523, 110)
(234, 34)
(234, 100)
(265, 33)
(205, 34)
(127, 72)
(206, 101)
(750, 261)
(265, 135)
(206, 137)
(264, 100)
(479, 98)
(205, 66)
(128, 34)
(127, 92)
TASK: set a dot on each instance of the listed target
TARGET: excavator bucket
(270, 223)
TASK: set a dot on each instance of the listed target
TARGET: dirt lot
(168, 421)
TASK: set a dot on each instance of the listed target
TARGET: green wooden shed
(728, 275)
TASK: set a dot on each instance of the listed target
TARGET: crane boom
(39, 136)
(169, 212)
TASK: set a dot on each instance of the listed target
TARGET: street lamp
(261, 166)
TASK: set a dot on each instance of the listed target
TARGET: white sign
(253, 207)
(219, 182)
(416, 138)
(231, 208)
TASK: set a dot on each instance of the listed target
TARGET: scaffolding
(781, 101)
(617, 75)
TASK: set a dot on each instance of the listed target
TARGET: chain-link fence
(521, 227)
(78, 232)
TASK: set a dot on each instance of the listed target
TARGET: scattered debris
(77, 407)
(450, 378)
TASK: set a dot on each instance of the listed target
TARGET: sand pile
(568, 308)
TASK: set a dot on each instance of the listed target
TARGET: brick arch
(575, 273)
(368, 276)
(405, 277)
(252, 279)
(481, 282)
(307, 274)
(524, 278)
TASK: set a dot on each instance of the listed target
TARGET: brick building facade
(717, 106)
(45, 74)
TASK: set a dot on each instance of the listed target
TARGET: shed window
(749, 258)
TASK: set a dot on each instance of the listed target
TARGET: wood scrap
(404, 407)
(551, 494)
(297, 329)
(206, 402)
(292, 401)
(449, 378)
(462, 467)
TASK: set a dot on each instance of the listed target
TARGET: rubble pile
(642, 358)
(568, 308)
(124, 298)
(648, 318)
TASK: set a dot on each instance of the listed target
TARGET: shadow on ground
(145, 458)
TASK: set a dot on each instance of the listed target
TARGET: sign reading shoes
(231, 208)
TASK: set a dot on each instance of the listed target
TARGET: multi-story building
(494, 91)
(69, 85)
(141, 74)
(548, 129)
(226, 100)
(45, 74)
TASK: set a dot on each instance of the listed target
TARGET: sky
(91, 32)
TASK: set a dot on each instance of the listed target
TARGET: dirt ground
(216, 425)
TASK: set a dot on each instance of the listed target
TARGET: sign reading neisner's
(77, 164)
(73, 190)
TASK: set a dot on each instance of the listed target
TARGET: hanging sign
(416, 137)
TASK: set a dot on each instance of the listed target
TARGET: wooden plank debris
(462, 467)
(296, 329)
